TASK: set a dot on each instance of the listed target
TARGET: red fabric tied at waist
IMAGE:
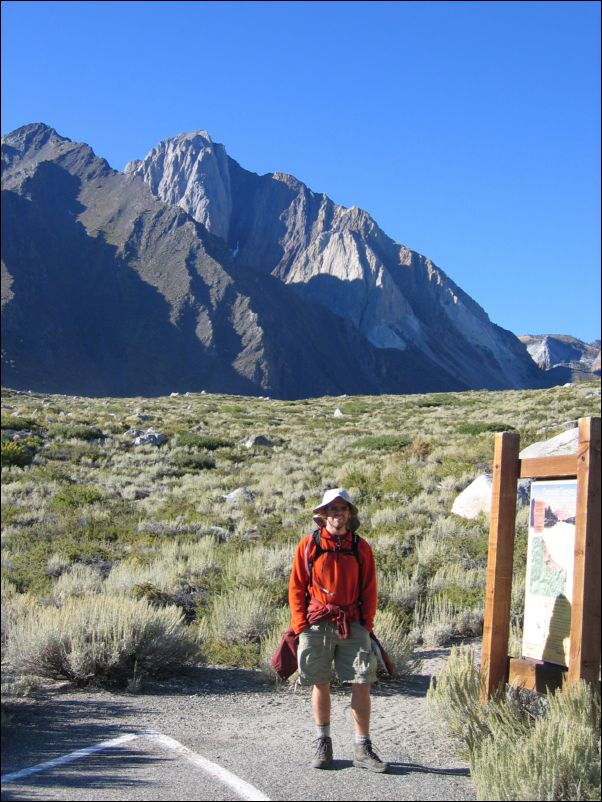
(284, 659)
(317, 611)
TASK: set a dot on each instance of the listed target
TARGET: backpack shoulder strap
(355, 547)
(312, 554)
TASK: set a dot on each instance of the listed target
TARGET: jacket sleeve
(297, 587)
(368, 585)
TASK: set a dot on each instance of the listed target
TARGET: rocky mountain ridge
(187, 272)
(579, 360)
(335, 257)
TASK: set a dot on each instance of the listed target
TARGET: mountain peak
(33, 136)
(191, 171)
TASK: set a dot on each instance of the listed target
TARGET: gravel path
(237, 720)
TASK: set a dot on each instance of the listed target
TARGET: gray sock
(361, 739)
(323, 730)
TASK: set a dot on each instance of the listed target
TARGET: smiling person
(332, 596)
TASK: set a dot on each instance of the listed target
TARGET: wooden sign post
(584, 661)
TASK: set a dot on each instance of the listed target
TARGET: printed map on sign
(549, 582)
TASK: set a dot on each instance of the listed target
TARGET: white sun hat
(329, 497)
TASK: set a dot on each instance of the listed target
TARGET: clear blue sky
(469, 131)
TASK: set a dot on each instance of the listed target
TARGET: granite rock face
(338, 259)
(192, 172)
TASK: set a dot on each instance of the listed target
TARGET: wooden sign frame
(584, 657)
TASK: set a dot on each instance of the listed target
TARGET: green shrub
(71, 497)
(239, 616)
(232, 655)
(78, 432)
(383, 442)
(454, 698)
(17, 423)
(557, 757)
(355, 407)
(15, 453)
(270, 642)
(390, 629)
(479, 427)
(193, 462)
(435, 620)
(207, 441)
(437, 400)
(104, 640)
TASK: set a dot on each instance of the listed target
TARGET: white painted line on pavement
(242, 788)
(60, 761)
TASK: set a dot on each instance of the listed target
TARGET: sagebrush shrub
(391, 631)
(556, 758)
(239, 616)
(104, 640)
(514, 752)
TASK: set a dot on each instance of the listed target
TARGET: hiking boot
(323, 756)
(366, 758)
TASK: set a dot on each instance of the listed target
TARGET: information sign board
(549, 580)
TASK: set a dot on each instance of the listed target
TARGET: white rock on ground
(564, 443)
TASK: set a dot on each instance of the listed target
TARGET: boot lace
(370, 751)
(322, 747)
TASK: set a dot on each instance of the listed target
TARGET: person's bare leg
(360, 707)
(320, 704)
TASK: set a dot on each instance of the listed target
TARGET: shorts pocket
(364, 666)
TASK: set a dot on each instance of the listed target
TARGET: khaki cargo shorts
(320, 645)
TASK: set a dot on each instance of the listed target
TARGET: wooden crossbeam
(548, 467)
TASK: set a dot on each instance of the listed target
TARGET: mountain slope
(109, 290)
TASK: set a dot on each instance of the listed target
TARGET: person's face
(337, 516)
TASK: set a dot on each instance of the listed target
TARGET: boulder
(476, 498)
(564, 443)
(240, 495)
(150, 437)
(257, 440)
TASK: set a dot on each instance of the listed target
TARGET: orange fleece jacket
(335, 579)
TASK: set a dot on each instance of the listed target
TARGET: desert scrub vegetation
(99, 639)
(521, 745)
(188, 527)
